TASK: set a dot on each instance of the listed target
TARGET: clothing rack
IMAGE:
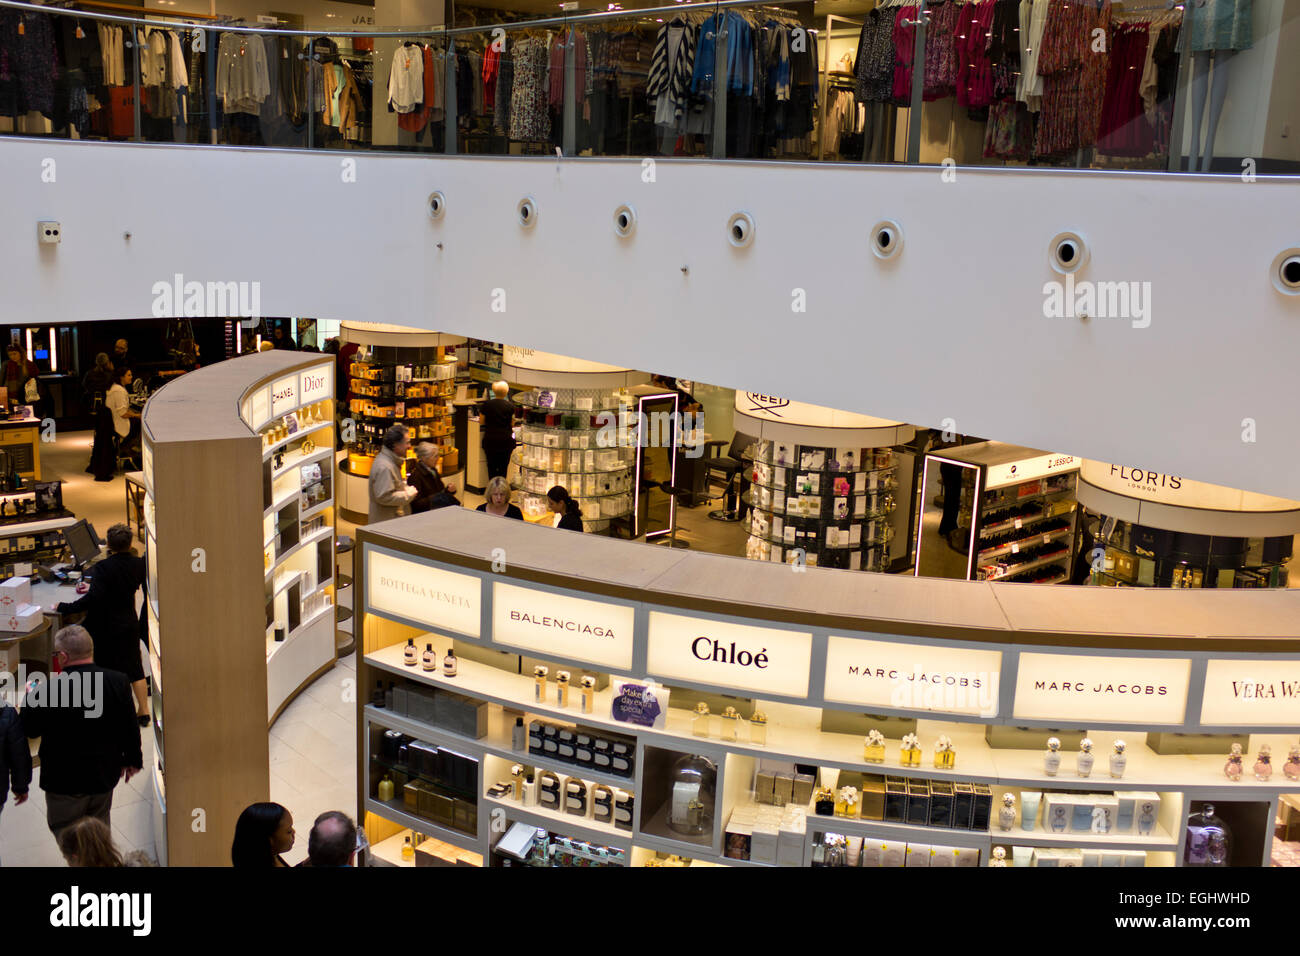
(831, 18)
(103, 5)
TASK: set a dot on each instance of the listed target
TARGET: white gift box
(14, 593)
(23, 618)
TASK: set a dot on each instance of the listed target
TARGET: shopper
(332, 841)
(17, 371)
(570, 515)
(111, 617)
(15, 757)
(98, 381)
(430, 490)
(118, 402)
(85, 718)
(496, 422)
(281, 339)
(498, 500)
(263, 832)
(121, 357)
(103, 453)
(89, 842)
(390, 495)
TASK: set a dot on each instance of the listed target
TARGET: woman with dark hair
(564, 506)
(89, 842)
(262, 833)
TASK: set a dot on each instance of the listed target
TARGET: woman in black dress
(570, 514)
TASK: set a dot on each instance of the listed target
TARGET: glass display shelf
(575, 496)
(535, 444)
(1004, 499)
(1014, 547)
(1024, 521)
(1012, 570)
(747, 498)
(864, 544)
(769, 461)
(622, 469)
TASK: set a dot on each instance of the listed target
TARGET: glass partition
(1207, 85)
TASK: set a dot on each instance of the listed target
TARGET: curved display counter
(989, 667)
(239, 523)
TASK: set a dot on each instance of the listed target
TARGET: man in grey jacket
(390, 495)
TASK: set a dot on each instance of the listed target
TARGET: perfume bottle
(519, 736)
(386, 789)
(530, 790)
(539, 684)
(945, 758)
(1264, 763)
(517, 782)
(1292, 766)
(1117, 760)
(910, 754)
(846, 802)
(700, 722)
(377, 695)
(730, 724)
(873, 747)
(1052, 758)
(1209, 841)
(430, 658)
(1084, 759)
(449, 664)
(1007, 813)
(1232, 769)
(824, 802)
(562, 688)
(758, 731)
(999, 857)
(588, 694)
(693, 785)
(411, 655)
(408, 851)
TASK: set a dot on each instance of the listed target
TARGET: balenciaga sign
(442, 600)
(594, 632)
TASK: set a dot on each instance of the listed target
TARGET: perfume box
(602, 753)
(460, 714)
(1112, 858)
(14, 593)
(1081, 813)
(411, 796)
(577, 798)
(763, 842)
(790, 841)
(982, 806)
(917, 854)
(918, 802)
(550, 789)
(764, 786)
(422, 757)
(803, 789)
(1058, 810)
(464, 816)
(895, 800)
(944, 856)
(1071, 858)
(783, 789)
(941, 793)
(583, 753)
(624, 804)
(1146, 811)
(873, 798)
(966, 856)
(873, 852)
(1045, 856)
(420, 704)
(602, 803)
(568, 745)
(536, 733)
(1126, 800)
(1092, 858)
(622, 756)
(1105, 811)
(1133, 858)
(737, 838)
(550, 740)
(400, 704)
(963, 804)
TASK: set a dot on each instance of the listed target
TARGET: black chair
(730, 468)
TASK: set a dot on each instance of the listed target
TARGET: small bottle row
(1124, 811)
(834, 849)
(935, 803)
(1057, 856)
(562, 793)
(282, 428)
(598, 750)
(730, 726)
(909, 752)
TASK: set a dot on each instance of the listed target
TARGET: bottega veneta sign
(949, 680)
(594, 632)
(1251, 693)
(720, 653)
(1073, 687)
(439, 599)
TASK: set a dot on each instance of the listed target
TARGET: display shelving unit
(254, 429)
(606, 584)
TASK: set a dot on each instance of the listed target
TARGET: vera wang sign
(443, 600)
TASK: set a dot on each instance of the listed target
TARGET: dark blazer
(85, 743)
(15, 755)
(427, 484)
(570, 522)
(111, 617)
(498, 420)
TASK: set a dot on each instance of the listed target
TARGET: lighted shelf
(389, 811)
(389, 852)
(1159, 839)
(565, 824)
(297, 461)
(271, 449)
(324, 532)
(907, 832)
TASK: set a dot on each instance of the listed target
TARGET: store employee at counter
(498, 417)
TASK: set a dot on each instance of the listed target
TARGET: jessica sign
(1129, 690)
(758, 659)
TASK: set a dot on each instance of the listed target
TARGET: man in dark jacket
(111, 617)
(496, 418)
(430, 490)
(15, 757)
(89, 738)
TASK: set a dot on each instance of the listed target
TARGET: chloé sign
(441, 600)
(1073, 687)
(722, 654)
(594, 632)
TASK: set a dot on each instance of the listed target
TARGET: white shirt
(406, 79)
(118, 403)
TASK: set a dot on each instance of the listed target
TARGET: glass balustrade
(1205, 85)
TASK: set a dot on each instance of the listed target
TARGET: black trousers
(498, 456)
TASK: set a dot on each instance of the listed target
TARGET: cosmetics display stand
(240, 600)
(438, 748)
(824, 485)
(1154, 530)
(400, 375)
(1016, 520)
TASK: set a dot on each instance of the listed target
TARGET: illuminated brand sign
(442, 600)
(766, 404)
(284, 395)
(550, 362)
(1030, 468)
(316, 384)
(719, 653)
(912, 677)
(1077, 688)
(590, 631)
(259, 408)
(1251, 693)
(1147, 485)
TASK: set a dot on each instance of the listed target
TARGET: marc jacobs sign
(948, 680)
(723, 654)
(594, 632)
(1251, 693)
(1073, 687)
(441, 600)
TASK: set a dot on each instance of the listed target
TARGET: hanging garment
(1220, 25)
(242, 82)
(342, 99)
(1004, 47)
(505, 87)
(1009, 132)
(1125, 129)
(30, 65)
(875, 57)
(113, 50)
(904, 54)
(491, 63)
(1033, 20)
(672, 67)
(974, 69)
(406, 78)
(417, 119)
(941, 43)
(530, 119)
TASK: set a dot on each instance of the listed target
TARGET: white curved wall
(953, 329)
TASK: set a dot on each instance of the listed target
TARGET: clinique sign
(726, 654)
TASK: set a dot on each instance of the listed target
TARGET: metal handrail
(433, 30)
